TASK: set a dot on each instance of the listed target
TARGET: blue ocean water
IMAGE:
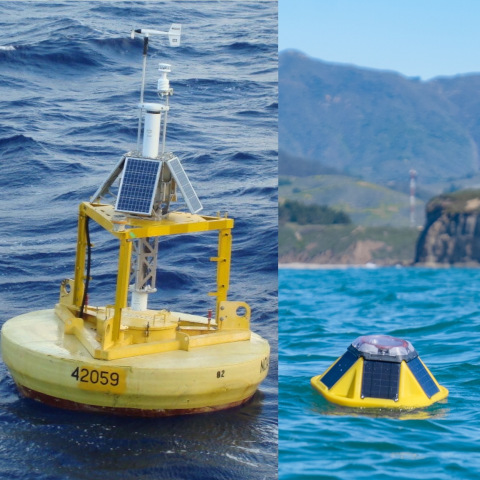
(320, 313)
(70, 82)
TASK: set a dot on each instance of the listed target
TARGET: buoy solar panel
(138, 186)
(379, 371)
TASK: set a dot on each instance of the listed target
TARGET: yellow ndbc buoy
(379, 371)
(126, 358)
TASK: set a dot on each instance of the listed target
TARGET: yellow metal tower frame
(116, 331)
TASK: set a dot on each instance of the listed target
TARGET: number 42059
(94, 376)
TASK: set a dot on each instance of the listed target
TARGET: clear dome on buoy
(379, 371)
(383, 345)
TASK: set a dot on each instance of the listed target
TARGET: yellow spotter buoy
(379, 371)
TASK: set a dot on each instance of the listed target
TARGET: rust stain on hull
(129, 412)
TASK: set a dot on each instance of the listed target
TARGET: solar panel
(423, 377)
(138, 186)
(380, 379)
(188, 193)
(337, 371)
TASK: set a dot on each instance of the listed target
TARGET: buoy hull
(55, 368)
(359, 379)
(133, 412)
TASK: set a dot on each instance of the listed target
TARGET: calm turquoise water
(320, 313)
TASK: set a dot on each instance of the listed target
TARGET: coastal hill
(377, 125)
(348, 138)
(366, 203)
(345, 245)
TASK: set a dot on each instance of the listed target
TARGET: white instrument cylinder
(151, 130)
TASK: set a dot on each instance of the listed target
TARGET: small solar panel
(138, 186)
(380, 379)
(188, 193)
(337, 371)
(423, 377)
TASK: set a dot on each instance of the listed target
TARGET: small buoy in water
(379, 371)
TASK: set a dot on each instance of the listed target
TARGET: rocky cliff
(452, 230)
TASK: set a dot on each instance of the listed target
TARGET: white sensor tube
(151, 133)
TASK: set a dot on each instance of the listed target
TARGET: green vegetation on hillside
(365, 203)
(456, 202)
(292, 211)
(346, 244)
(381, 233)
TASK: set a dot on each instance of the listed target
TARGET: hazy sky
(419, 38)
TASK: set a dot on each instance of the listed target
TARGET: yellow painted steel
(80, 259)
(123, 277)
(173, 223)
(347, 390)
(43, 359)
(223, 267)
(108, 337)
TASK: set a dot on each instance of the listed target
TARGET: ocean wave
(17, 142)
(51, 55)
(249, 47)
(69, 111)
(123, 46)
